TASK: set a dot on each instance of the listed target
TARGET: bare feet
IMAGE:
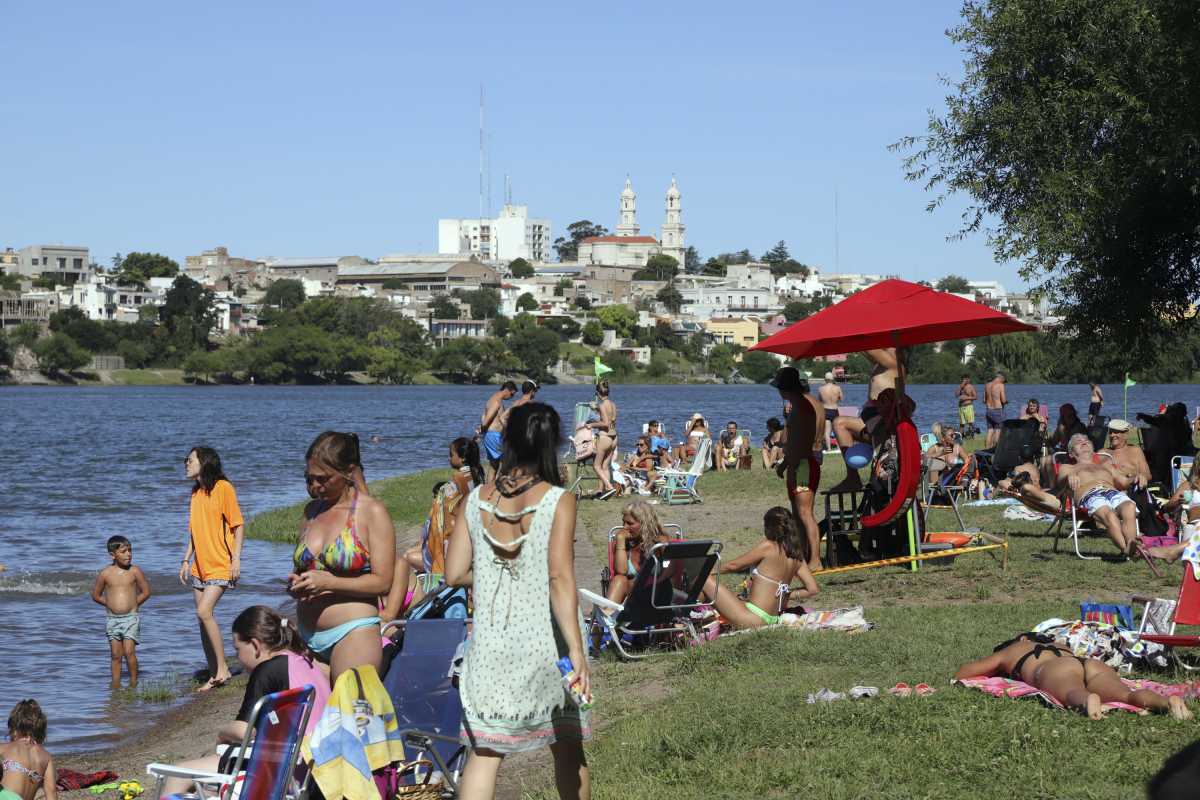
(1094, 710)
(1167, 554)
(1178, 709)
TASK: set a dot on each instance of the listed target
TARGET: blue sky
(298, 128)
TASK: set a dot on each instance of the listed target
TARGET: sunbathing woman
(1083, 684)
(783, 552)
(640, 531)
(695, 432)
(1187, 497)
(27, 767)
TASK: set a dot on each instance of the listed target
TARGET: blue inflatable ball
(858, 456)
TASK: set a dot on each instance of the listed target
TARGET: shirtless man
(492, 424)
(966, 396)
(1095, 403)
(1097, 487)
(995, 399)
(802, 454)
(859, 429)
(1127, 457)
(831, 396)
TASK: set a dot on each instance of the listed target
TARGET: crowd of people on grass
(507, 533)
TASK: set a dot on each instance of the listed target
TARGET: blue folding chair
(425, 694)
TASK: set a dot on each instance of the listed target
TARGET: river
(81, 464)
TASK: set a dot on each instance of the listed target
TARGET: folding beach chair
(1020, 442)
(267, 759)
(1180, 467)
(423, 686)
(679, 487)
(1081, 521)
(664, 592)
(1161, 616)
(608, 571)
(951, 484)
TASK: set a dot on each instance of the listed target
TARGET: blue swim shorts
(995, 418)
(124, 626)
(493, 444)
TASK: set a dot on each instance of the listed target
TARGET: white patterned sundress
(512, 693)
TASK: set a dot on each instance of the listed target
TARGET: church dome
(674, 190)
(628, 190)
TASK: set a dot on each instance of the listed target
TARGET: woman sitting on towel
(640, 530)
(1083, 684)
(271, 650)
(772, 563)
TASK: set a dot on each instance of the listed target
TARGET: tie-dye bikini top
(345, 555)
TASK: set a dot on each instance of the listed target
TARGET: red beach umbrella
(891, 313)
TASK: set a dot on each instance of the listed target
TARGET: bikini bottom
(322, 642)
(768, 619)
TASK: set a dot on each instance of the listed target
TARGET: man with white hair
(1129, 458)
(1097, 485)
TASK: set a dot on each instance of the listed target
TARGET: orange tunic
(211, 522)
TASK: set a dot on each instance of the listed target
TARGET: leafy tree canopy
(568, 247)
(139, 268)
(527, 302)
(284, 293)
(520, 268)
(593, 333)
(619, 318)
(58, 353)
(670, 297)
(691, 260)
(659, 267)
(759, 366)
(443, 307)
(956, 284)
(484, 303)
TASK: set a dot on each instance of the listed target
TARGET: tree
(443, 307)
(955, 284)
(714, 268)
(24, 335)
(619, 318)
(527, 302)
(565, 327)
(759, 366)
(659, 267)
(89, 334)
(58, 353)
(535, 350)
(568, 247)
(188, 313)
(520, 268)
(139, 268)
(1072, 134)
(722, 359)
(468, 360)
(394, 285)
(583, 302)
(691, 260)
(202, 363)
(10, 283)
(6, 351)
(777, 254)
(135, 354)
(593, 333)
(285, 293)
(484, 303)
(670, 297)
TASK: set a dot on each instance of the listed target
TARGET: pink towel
(1005, 687)
(302, 671)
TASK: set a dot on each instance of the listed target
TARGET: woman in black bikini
(605, 429)
(1083, 684)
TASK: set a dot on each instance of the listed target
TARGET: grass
(155, 690)
(729, 719)
(148, 377)
(406, 498)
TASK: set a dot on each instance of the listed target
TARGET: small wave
(38, 585)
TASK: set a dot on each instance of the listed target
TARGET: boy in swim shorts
(122, 588)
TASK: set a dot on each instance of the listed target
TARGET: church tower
(672, 229)
(628, 225)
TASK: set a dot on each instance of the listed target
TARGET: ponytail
(468, 451)
(269, 627)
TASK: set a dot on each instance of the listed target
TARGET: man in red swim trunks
(802, 454)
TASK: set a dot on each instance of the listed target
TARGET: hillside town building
(513, 234)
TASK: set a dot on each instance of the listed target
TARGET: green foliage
(58, 353)
(10, 283)
(42, 282)
(583, 303)
(527, 302)
(470, 360)
(139, 268)
(782, 262)
(660, 364)
(691, 260)
(500, 326)
(1072, 134)
(484, 303)
(565, 327)
(927, 366)
(442, 307)
(355, 317)
(94, 336)
(24, 335)
(619, 318)
(520, 268)
(187, 313)
(568, 247)
(536, 349)
(758, 366)
(593, 333)
(955, 284)
(285, 293)
(394, 284)
(797, 310)
(203, 364)
(135, 354)
(398, 352)
(714, 268)
(6, 351)
(722, 358)
(659, 267)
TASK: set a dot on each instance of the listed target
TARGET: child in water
(27, 766)
(122, 588)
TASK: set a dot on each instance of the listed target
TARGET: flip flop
(900, 690)
(923, 690)
(1140, 549)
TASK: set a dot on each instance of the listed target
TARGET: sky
(319, 129)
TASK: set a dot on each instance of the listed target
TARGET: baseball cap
(1119, 425)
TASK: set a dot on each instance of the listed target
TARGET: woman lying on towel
(1083, 684)
(772, 563)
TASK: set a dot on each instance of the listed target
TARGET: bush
(58, 353)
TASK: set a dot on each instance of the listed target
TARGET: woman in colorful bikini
(1083, 684)
(212, 561)
(640, 530)
(343, 561)
(773, 563)
(26, 764)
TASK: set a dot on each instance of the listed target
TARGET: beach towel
(1006, 687)
(847, 620)
(1022, 513)
(995, 501)
(356, 735)
(69, 780)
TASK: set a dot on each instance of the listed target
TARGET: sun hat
(1119, 425)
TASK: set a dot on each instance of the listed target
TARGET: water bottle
(569, 679)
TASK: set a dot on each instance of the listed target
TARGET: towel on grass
(1006, 687)
(994, 501)
(1020, 512)
(69, 780)
(848, 620)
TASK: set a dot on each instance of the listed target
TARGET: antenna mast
(837, 259)
(481, 154)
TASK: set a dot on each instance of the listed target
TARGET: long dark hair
(780, 526)
(468, 451)
(531, 440)
(269, 627)
(210, 469)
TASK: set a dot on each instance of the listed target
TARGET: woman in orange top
(215, 525)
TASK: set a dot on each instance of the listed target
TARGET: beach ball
(858, 456)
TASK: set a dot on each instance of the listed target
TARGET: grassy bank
(730, 719)
(406, 498)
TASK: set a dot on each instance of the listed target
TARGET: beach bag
(1115, 614)
(584, 443)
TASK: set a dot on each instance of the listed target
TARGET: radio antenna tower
(481, 129)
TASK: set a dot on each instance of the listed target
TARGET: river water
(80, 464)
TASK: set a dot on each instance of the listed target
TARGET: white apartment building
(844, 284)
(991, 289)
(511, 235)
(64, 263)
(797, 285)
(104, 301)
(726, 300)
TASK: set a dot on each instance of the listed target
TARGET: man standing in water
(1095, 403)
(831, 396)
(802, 455)
(995, 399)
(851, 430)
(966, 405)
(492, 424)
